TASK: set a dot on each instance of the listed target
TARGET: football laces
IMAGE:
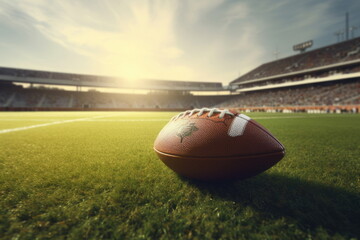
(201, 111)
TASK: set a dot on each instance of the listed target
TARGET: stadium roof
(82, 80)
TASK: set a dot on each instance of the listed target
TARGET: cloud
(141, 39)
(202, 40)
(195, 10)
(236, 12)
(138, 46)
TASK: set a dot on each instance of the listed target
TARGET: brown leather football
(214, 144)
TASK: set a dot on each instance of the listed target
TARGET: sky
(191, 40)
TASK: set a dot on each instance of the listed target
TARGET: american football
(215, 144)
(179, 119)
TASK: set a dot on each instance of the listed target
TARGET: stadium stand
(82, 80)
(326, 79)
(307, 96)
(13, 97)
(337, 59)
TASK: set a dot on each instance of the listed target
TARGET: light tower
(338, 34)
(343, 34)
(353, 30)
(347, 26)
(303, 46)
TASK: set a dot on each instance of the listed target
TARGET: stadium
(325, 80)
(77, 158)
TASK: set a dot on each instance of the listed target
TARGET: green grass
(100, 179)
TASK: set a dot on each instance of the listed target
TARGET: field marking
(30, 119)
(128, 120)
(37, 125)
(51, 123)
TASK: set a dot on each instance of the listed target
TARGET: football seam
(208, 119)
(225, 157)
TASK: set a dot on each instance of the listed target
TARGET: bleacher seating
(337, 53)
(326, 94)
(11, 96)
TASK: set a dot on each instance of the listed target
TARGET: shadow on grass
(309, 205)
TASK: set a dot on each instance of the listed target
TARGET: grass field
(94, 175)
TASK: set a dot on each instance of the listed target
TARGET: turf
(99, 178)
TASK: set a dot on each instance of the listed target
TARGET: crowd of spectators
(325, 94)
(11, 96)
(337, 53)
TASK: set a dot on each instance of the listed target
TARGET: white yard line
(52, 123)
(128, 120)
(38, 125)
(28, 119)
